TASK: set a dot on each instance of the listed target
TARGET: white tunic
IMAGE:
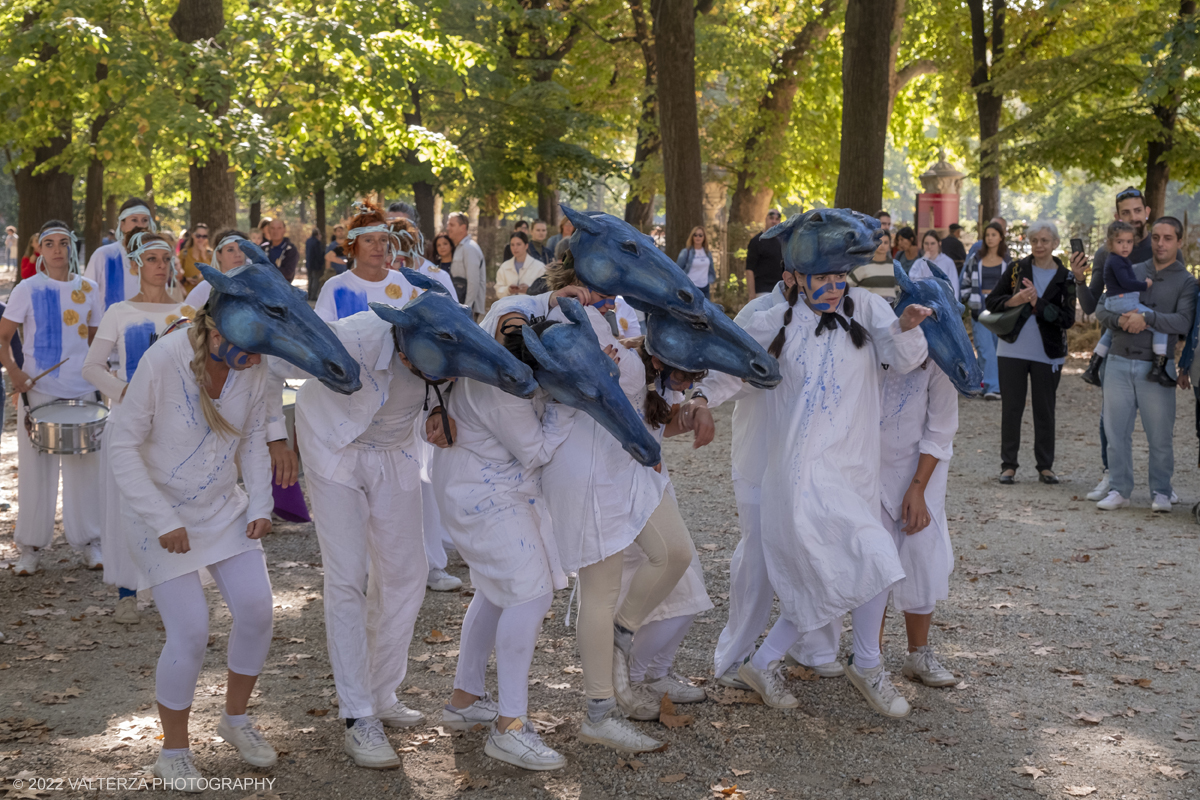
(347, 294)
(826, 551)
(433, 271)
(920, 415)
(599, 497)
(627, 319)
(111, 270)
(54, 317)
(197, 297)
(176, 472)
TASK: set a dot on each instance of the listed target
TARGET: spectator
(906, 248)
(1033, 354)
(314, 263)
(982, 272)
(952, 246)
(109, 237)
(469, 270)
(1126, 388)
(29, 261)
(764, 259)
(10, 247)
(885, 220)
(401, 209)
(537, 242)
(195, 251)
(280, 250)
(697, 261)
(1131, 208)
(256, 236)
(879, 275)
(517, 273)
(522, 226)
(443, 251)
(978, 245)
(335, 256)
(931, 244)
(565, 229)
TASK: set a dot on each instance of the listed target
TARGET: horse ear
(222, 283)
(581, 221)
(423, 282)
(391, 314)
(538, 350)
(254, 253)
(903, 282)
(573, 311)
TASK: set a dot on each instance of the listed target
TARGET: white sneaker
(179, 773)
(991, 396)
(92, 556)
(27, 564)
(645, 703)
(367, 744)
(523, 748)
(1174, 498)
(731, 679)
(1101, 490)
(614, 731)
(483, 711)
(441, 581)
(401, 716)
(769, 684)
(876, 686)
(676, 687)
(126, 612)
(922, 665)
(832, 669)
(1112, 502)
(250, 743)
(1161, 503)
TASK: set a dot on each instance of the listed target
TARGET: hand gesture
(695, 416)
(1079, 266)
(258, 528)
(284, 463)
(435, 434)
(913, 316)
(175, 541)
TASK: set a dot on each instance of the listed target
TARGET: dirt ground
(1073, 632)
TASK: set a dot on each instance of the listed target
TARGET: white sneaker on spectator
(676, 687)
(922, 665)
(876, 686)
(1101, 490)
(179, 773)
(833, 669)
(991, 396)
(441, 581)
(482, 712)
(250, 743)
(1113, 501)
(731, 679)
(1161, 503)
(401, 716)
(522, 747)
(92, 556)
(613, 730)
(27, 563)
(769, 684)
(367, 744)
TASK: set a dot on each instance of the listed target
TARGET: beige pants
(667, 544)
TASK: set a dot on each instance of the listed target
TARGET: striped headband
(72, 251)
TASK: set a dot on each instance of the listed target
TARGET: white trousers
(434, 532)
(37, 489)
(369, 519)
(512, 632)
(246, 587)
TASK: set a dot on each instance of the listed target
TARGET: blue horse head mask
(440, 339)
(949, 346)
(612, 257)
(827, 241)
(577, 373)
(718, 345)
(257, 310)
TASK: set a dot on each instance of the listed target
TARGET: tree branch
(915, 69)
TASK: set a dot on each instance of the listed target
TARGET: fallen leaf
(731, 696)
(317, 712)
(543, 722)
(676, 778)
(437, 637)
(668, 717)
(712, 548)
(465, 782)
(633, 764)
(558, 686)
(1171, 772)
(308, 730)
(866, 780)
(737, 773)
(1028, 770)
(1079, 791)
(1185, 736)
(573, 670)
(803, 673)
(1082, 558)
(1089, 717)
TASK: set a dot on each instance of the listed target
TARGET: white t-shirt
(347, 294)
(55, 317)
(627, 320)
(114, 274)
(698, 271)
(129, 329)
(433, 271)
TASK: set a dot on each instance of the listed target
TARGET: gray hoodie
(1173, 300)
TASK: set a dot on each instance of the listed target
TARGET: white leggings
(246, 587)
(512, 632)
(867, 620)
(655, 645)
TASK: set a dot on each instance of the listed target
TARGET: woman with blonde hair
(697, 261)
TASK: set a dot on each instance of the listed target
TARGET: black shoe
(1047, 478)
(1091, 375)
(1007, 479)
(1158, 372)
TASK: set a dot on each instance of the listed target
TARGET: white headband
(233, 237)
(129, 212)
(354, 232)
(141, 247)
(72, 250)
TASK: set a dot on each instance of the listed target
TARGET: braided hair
(858, 334)
(658, 411)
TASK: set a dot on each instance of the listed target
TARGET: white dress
(347, 294)
(176, 472)
(826, 551)
(112, 271)
(920, 415)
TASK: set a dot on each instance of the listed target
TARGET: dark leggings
(1017, 375)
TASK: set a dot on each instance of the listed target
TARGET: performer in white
(227, 255)
(58, 311)
(127, 329)
(109, 267)
(195, 409)
(369, 243)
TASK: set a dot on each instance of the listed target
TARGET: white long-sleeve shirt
(129, 329)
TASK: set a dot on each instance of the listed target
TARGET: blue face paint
(231, 355)
(678, 384)
(816, 295)
(607, 304)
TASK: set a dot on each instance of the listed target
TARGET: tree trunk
(44, 196)
(148, 193)
(547, 199)
(639, 203)
(865, 82)
(319, 212)
(675, 46)
(988, 103)
(302, 214)
(93, 207)
(423, 190)
(255, 204)
(110, 213)
(1166, 111)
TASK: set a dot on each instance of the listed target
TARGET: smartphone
(1077, 245)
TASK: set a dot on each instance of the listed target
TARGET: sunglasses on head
(1129, 194)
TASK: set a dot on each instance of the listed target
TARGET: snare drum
(67, 427)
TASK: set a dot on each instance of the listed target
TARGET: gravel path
(1072, 631)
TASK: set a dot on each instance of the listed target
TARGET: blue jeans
(985, 347)
(1126, 391)
(1123, 303)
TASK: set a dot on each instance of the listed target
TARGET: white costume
(920, 415)
(508, 275)
(434, 272)
(363, 478)
(127, 329)
(115, 275)
(347, 294)
(627, 319)
(198, 296)
(55, 317)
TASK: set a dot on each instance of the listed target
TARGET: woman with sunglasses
(194, 251)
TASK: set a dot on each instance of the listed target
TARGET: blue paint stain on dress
(348, 302)
(114, 279)
(138, 339)
(47, 315)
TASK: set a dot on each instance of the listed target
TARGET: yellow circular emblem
(393, 291)
(83, 331)
(87, 287)
(133, 269)
(187, 311)
(78, 296)
(171, 318)
(434, 268)
(414, 294)
(71, 316)
(624, 325)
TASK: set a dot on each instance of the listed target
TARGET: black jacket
(1055, 308)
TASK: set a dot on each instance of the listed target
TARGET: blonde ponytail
(202, 326)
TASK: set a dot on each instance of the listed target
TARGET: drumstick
(40, 376)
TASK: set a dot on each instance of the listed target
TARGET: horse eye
(629, 247)
(279, 312)
(933, 315)
(445, 337)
